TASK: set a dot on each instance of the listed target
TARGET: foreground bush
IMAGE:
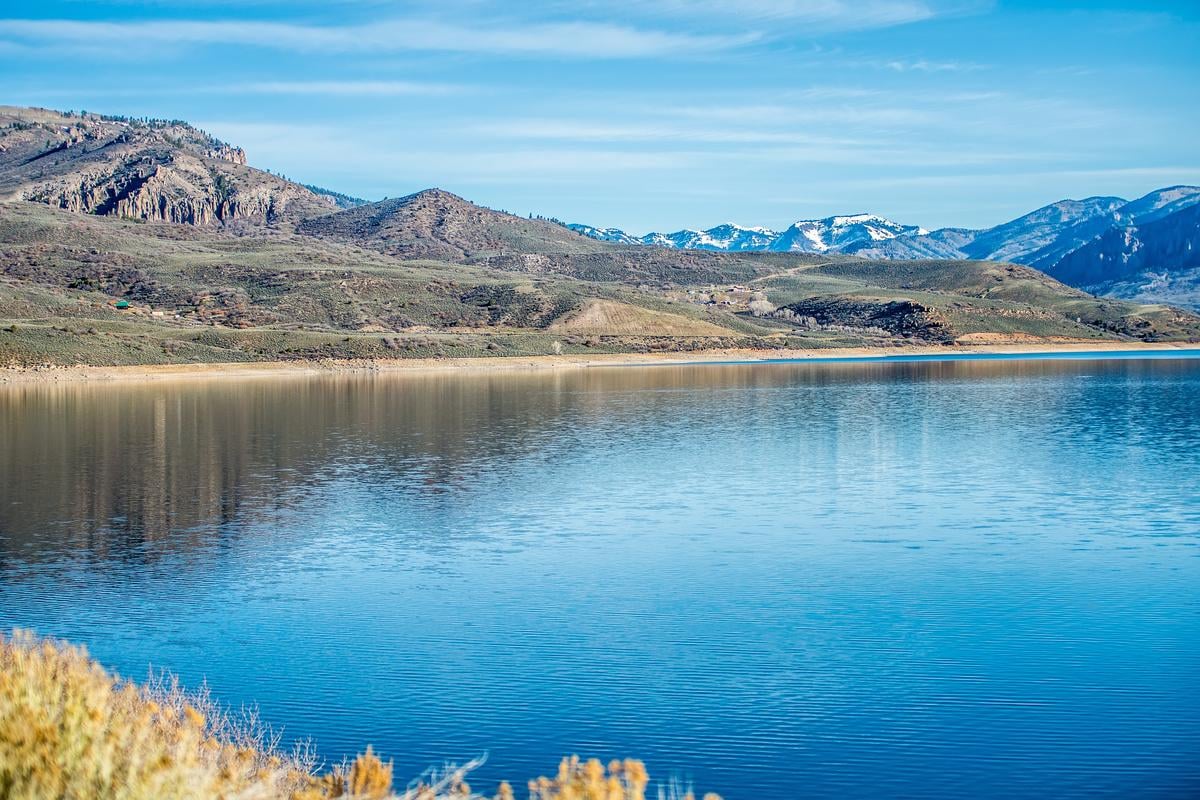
(70, 730)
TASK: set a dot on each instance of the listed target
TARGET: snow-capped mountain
(1039, 239)
(1157, 204)
(606, 234)
(837, 233)
(804, 236)
(942, 243)
(1145, 209)
(1146, 249)
(1037, 229)
(1164, 250)
(733, 238)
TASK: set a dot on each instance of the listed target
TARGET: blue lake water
(919, 579)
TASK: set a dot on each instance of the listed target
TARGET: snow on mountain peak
(806, 235)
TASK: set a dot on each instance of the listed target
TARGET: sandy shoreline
(263, 369)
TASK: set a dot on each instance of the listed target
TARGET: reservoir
(971, 578)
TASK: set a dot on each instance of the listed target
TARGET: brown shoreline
(263, 369)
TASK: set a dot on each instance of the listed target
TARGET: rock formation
(156, 170)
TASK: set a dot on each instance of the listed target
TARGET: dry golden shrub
(70, 730)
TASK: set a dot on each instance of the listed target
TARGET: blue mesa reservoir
(827, 580)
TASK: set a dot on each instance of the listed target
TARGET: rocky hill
(435, 224)
(162, 170)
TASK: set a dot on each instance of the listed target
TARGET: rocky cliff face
(153, 170)
(183, 190)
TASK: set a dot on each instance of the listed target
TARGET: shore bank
(264, 369)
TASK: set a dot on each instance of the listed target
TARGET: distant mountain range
(1144, 249)
(832, 234)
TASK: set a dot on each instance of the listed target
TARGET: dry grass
(69, 729)
(610, 318)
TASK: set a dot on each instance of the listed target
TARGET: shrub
(69, 729)
(589, 780)
(761, 308)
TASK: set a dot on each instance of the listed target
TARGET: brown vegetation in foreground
(70, 729)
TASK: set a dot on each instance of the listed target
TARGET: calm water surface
(952, 579)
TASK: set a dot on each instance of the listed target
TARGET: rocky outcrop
(904, 318)
(154, 170)
(169, 194)
(225, 152)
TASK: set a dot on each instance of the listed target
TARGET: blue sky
(678, 113)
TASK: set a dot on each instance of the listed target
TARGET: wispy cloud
(796, 16)
(341, 88)
(348, 88)
(1174, 174)
(924, 65)
(376, 156)
(556, 39)
(596, 131)
(827, 14)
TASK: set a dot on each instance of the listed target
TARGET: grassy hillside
(69, 729)
(198, 294)
(435, 224)
(205, 294)
(440, 225)
(976, 300)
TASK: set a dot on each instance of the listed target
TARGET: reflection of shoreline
(128, 471)
(125, 470)
(262, 369)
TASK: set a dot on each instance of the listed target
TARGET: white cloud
(924, 65)
(341, 88)
(1054, 177)
(291, 147)
(561, 39)
(792, 16)
(825, 14)
(593, 131)
(345, 88)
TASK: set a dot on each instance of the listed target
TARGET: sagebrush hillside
(151, 242)
(440, 225)
(200, 294)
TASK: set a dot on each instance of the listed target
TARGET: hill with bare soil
(440, 225)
